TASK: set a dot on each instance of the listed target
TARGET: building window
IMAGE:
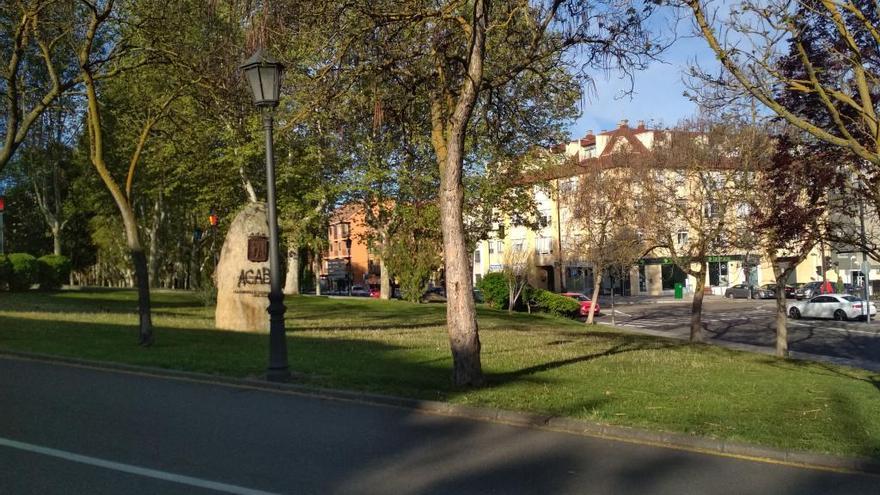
(710, 210)
(345, 230)
(718, 273)
(547, 218)
(477, 256)
(544, 245)
(491, 247)
(682, 237)
(517, 245)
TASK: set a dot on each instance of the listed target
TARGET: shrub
(5, 271)
(494, 289)
(24, 271)
(54, 270)
(556, 304)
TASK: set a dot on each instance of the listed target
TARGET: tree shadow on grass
(820, 367)
(96, 300)
(628, 344)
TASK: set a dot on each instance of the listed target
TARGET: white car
(838, 306)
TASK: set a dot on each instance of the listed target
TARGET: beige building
(556, 267)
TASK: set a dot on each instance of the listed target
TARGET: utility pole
(866, 268)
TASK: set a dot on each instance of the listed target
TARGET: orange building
(348, 261)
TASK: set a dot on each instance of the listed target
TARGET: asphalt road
(752, 323)
(70, 430)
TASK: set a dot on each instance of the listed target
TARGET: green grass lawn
(532, 363)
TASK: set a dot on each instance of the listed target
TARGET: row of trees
(402, 103)
(126, 121)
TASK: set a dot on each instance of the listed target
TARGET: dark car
(359, 291)
(434, 294)
(766, 291)
(810, 289)
(739, 291)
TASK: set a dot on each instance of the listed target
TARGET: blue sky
(657, 92)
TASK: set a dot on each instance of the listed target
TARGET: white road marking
(128, 468)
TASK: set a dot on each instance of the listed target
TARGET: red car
(585, 303)
(374, 293)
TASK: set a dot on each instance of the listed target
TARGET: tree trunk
(697, 308)
(56, 239)
(461, 318)
(153, 259)
(316, 269)
(384, 280)
(781, 322)
(597, 284)
(448, 131)
(291, 283)
(195, 273)
(511, 297)
(142, 279)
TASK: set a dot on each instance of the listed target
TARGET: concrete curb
(671, 440)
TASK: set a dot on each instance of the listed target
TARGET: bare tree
(791, 203)
(516, 266)
(693, 186)
(832, 59)
(604, 217)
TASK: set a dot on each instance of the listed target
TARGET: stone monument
(242, 275)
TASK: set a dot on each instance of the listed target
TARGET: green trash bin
(679, 291)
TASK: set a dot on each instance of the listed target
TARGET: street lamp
(263, 74)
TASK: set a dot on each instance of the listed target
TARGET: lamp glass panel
(268, 78)
(253, 77)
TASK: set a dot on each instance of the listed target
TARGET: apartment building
(348, 260)
(556, 265)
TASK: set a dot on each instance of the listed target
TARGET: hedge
(24, 271)
(494, 289)
(54, 270)
(556, 304)
(5, 271)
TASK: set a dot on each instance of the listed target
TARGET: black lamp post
(263, 74)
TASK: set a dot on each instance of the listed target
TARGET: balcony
(544, 259)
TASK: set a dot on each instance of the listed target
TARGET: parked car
(741, 291)
(811, 289)
(434, 294)
(841, 307)
(375, 293)
(766, 291)
(478, 296)
(789, 291)
(585, 302)
(359, 291)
